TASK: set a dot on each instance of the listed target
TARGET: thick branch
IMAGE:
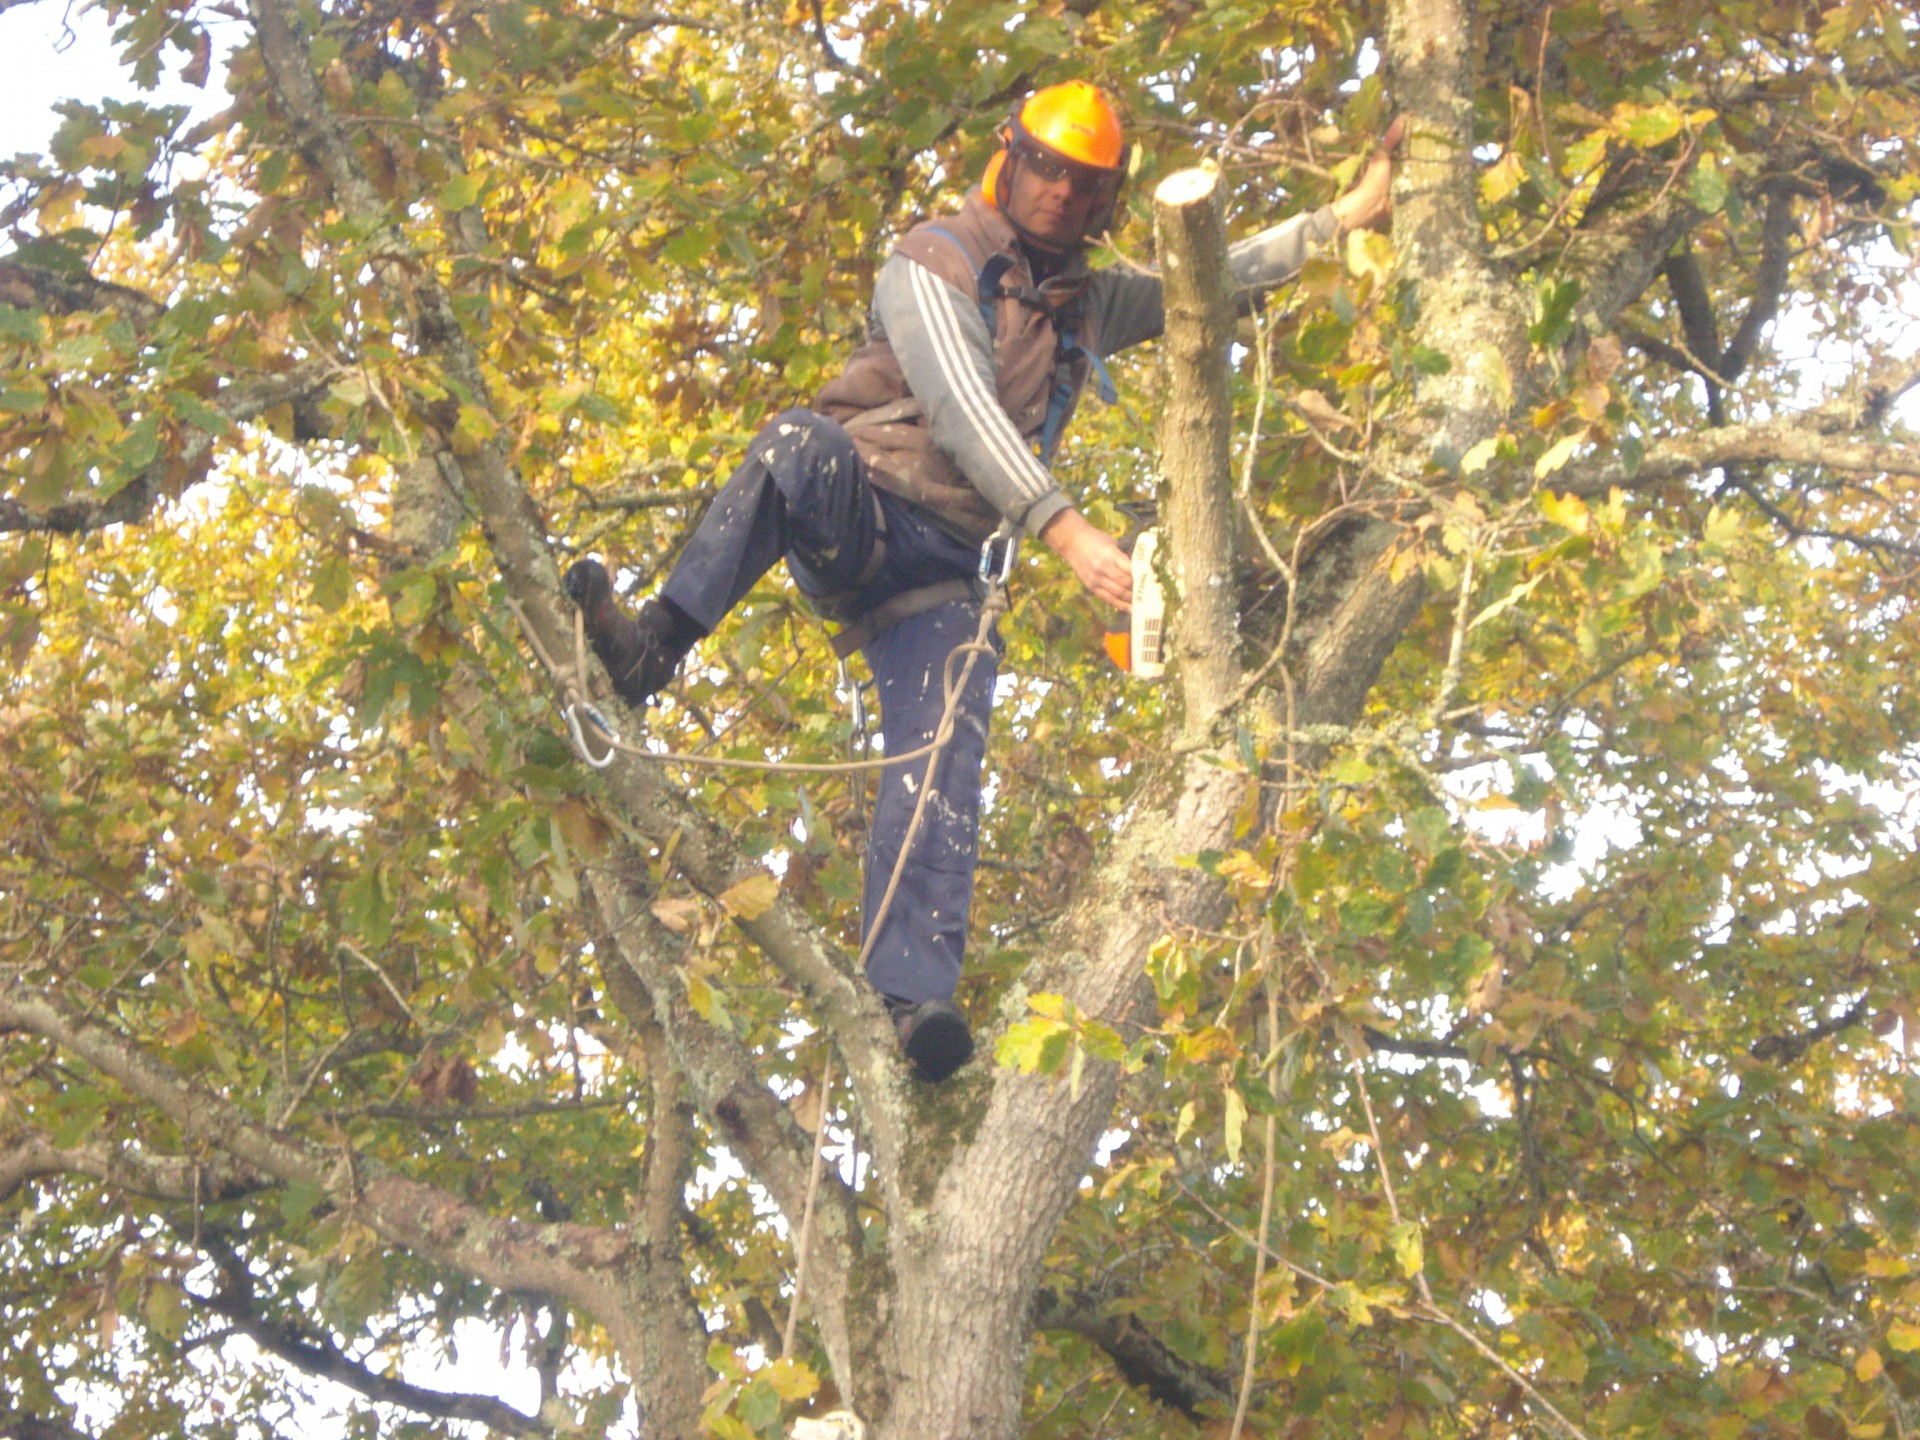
(1769, 283)
(1785, 1049)
(1802, 440)
(1700, 326)
(171, 474)
(1422, 1049)
(27, 287)
(1139, 1356)
(318, 1355)
(124, 1169)
(1195, 429)
(833, 57)
(572, 1261)
(1622, 264)
(1697, 320)
(17, 1425)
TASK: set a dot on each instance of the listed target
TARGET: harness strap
(836, 605)
(1060, 401)
(905, 408)
(863, 631)
(986, 279)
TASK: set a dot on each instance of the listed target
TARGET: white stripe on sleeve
(981, 408)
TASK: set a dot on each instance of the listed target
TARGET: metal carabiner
(1004, 565)
(856, 701)
(572, 713)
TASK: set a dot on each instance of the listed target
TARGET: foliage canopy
(1542, 994)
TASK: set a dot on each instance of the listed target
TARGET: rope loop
(572, 715)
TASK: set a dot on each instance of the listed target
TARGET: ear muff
(996, 168)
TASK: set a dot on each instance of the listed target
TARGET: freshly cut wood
(1196, 417)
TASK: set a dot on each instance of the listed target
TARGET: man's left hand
(1370, 202)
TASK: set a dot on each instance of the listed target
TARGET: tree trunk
(1196, 423)
(972, 1217)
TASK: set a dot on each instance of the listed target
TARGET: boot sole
(940, 1044)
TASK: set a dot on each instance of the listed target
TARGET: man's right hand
(1095, 556)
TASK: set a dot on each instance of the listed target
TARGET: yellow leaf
(1054, 1007)
(1475, 460)
(791, 1379)
(1557, 455)
(1409, 1250)
(1369, 255)
(1236, 1124)
(677, 914)
(1569, 512)
(1248, 871)
(1505, 176)
(1904, 1336)
(752, 897)
(1868, 1367)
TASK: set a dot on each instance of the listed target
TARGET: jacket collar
(999, 231)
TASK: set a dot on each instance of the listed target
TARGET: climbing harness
(1057, 303)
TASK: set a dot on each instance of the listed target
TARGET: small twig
(314, 1072)
(1429, 1308)
(804, 1241)
(385, 979)
(1241, 1235)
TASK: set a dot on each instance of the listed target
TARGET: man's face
(1053, 199)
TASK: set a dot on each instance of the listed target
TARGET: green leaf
(1709, 185)
(299, 1200)
(1650, 127)
(460, 192)
(165, 1311)
(366, 909)
(26, 326)
(332, 583)
(759, 1405)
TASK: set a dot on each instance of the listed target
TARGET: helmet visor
(1050, 167)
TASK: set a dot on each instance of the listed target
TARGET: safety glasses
(1050, 168)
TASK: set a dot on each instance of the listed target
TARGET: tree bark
(1196, 421)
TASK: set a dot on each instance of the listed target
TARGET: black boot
(933, 1035)
(640, 653)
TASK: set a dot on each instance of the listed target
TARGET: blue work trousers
(802, 492)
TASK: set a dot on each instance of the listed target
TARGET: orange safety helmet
(1073, 126)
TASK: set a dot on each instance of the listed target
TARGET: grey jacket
(953, 415)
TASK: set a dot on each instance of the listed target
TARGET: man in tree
(937, 438)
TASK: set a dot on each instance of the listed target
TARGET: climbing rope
(995, 570)
(803, 1242)
(578, 708)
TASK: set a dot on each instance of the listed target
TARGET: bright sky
(52, 51)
